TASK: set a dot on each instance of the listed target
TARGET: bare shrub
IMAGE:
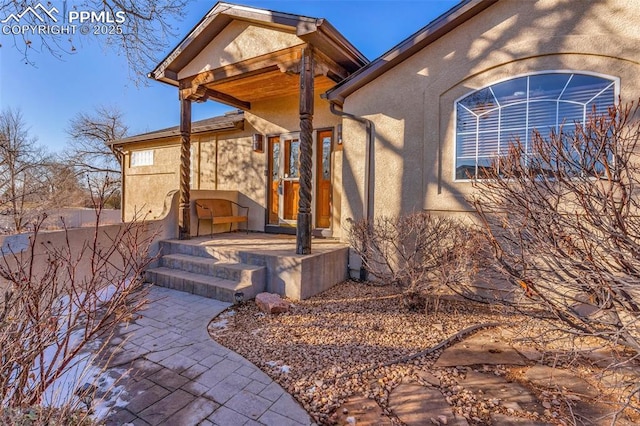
(421, 253)
(61, 304)
(563, 221)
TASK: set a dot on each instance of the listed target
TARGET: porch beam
(303, 230)
(282, 59)
(184, 220)
(329, 68)
(202, 93)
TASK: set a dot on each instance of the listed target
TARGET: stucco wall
(237, 42)
(412, 105)
(16, 247)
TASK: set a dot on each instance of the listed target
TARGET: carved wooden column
(303, 231)
(185, 170)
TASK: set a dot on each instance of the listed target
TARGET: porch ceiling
(270, 85)
(270, 76)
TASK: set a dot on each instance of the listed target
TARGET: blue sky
(52, 91)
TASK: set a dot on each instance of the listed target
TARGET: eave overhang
(230, 122)
(445, 23)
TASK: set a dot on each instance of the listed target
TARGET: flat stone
(272, 303)
(195, 412)
(555, 378)
(366, 412)
(483, 348)
(415, 405)
(249, 405)
(226, 416)
(146, 398)
(289, 407)
(160, 411)
(511, 395)
(427, 377)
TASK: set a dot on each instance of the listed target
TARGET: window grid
(596, 87)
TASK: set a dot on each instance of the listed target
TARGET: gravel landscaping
(355, 342)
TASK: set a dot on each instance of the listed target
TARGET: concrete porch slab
(288, 274)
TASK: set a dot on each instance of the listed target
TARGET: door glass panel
(276, 161)
(274, 186)
(294, 159)
(326, 160)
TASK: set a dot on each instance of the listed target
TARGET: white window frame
(613, 79)
(141, 158)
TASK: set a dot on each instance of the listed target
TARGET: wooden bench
(219, 211)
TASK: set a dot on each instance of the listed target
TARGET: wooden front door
(291, 179)
(274, 180)
(324, 147)
(284, 179)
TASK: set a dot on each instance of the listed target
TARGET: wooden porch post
(185, 169)
(303, 231)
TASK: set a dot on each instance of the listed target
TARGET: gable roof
(316, 31)
(437, 28)
(233, 120)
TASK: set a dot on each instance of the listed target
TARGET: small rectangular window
(142, 158)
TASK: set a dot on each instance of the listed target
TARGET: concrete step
(178, 247)
(225, 254)
(222, 269)
(202, 285)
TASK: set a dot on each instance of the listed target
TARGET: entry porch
(237, 266)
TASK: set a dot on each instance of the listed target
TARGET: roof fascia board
(446, 22)
(172, 132)
(214, 22)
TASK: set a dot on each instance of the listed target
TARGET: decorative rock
(272, 303)
(502, 419)
(427, 377)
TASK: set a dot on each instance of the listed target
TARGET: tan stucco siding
(412, 105)
(145, 187)
(237, 42)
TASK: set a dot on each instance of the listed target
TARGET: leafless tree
(89, 152)
(23, 183)
(421, 253)
(64, 186)
(563, 220)
(143, 33)
(52, 314)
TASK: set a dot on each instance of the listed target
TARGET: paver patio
(175, 374)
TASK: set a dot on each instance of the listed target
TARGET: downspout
(367, 212)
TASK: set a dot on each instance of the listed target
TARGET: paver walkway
(177, 375)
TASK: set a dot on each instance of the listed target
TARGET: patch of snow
(113, 394)
(220, 324)
(285, 369)
(351, 420)
(272, 363)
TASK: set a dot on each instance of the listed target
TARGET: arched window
(489, 119)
